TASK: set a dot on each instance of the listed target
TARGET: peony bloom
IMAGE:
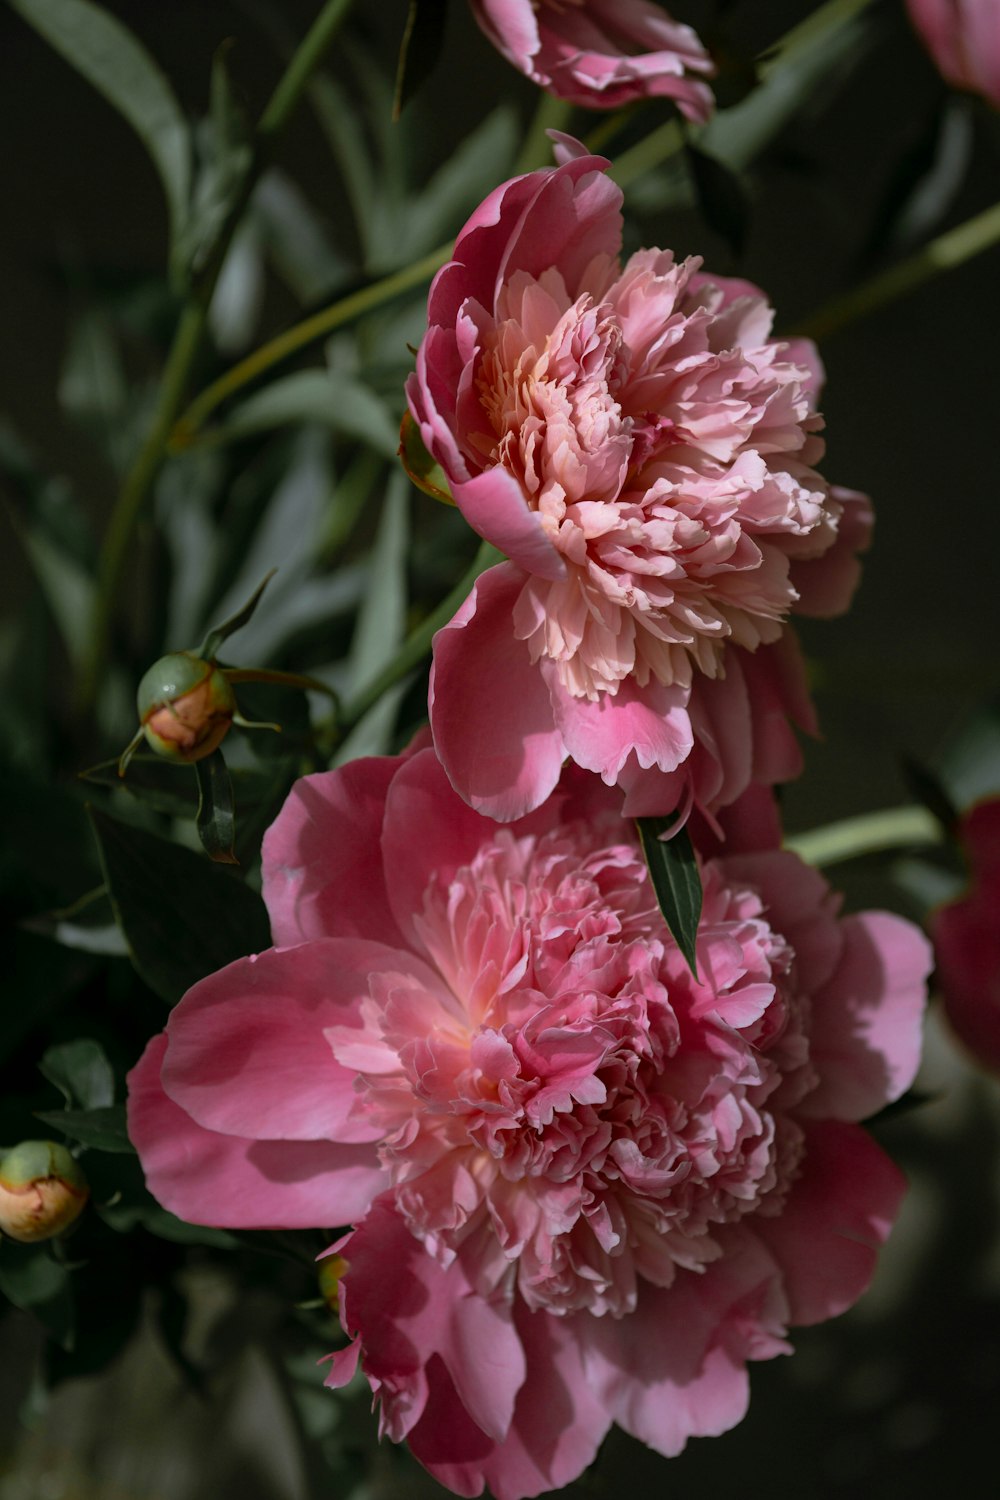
(963, 38)
(642, 450)
(601, 54)
(966, 937)
(585, 1187)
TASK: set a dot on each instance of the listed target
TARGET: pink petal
(489, 706)
(557, 1428)
(826, 584)
(321, 870)
(839, 1212)
(238, 1183)
(675, 1369)
(407, 1308)
(493, 503)
(247, 1055)
(650, 723)
(865, 1032)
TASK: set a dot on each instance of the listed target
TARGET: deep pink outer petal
(493, 503)
(840, 1210)
(236, 1183)
(865, 1031)
(675, 1368)
(246, 1052)
(557, 1428)
(406, 1307)
(322, 875)
(489, 706)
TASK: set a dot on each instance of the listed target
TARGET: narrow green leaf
(209, 648)
(81, 1072)
(181, 915)
(419, 49)
(673, 870)
(216, 820)
(100, 48)
(103, 1129)
(338, 401)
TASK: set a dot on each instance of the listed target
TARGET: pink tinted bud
(963, 38)
(42, 1191)
(186, 706)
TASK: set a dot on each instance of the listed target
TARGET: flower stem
(297, 337)
(186, 345)
(871, 833)
(417, 644)
(942, 254)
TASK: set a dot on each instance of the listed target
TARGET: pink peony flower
(963, 38)
(601, 54)
(585, 1187)
(966, 937)
(642, 450)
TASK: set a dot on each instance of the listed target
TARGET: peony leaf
(674, 872)
(216, 820)
(209, 648)
(102, 1129)
(181, 916)
(119, 67)
(81, 1072)
(33, 1280)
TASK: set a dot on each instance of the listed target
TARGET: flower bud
(42, 1191)
(186, 706)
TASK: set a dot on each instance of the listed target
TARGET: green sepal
(419, 465)
(209, 648)
(673, 869)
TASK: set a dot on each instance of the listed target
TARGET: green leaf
(721, 197)
(336, 400)
(81, 1072)
(35, 1282)
(100, 48)
(673, 869)
(420, 467)
(216, 820)
(419, 49)
(181, 915)
(381, 624)
(103, 1129)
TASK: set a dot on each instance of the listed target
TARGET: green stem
(871, 833)
(417, 644)
(186, 345)
(536, 148)
(943, 254)
(299, 336)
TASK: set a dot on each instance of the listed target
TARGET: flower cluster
(586, 1184)
(644, 452)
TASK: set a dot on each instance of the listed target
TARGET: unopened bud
(42, 1191)
(186, 706)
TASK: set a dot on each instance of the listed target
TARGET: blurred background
(156, 1364)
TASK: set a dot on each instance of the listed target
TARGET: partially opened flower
(963, 38)
(966, 937)
(643, 451)
(601, 54)
(586, 1187)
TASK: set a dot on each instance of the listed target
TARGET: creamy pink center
(566, 1096)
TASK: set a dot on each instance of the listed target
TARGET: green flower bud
(42, 1191)
(185, 705)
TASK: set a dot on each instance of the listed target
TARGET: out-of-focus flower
(586, 1187)
(601, 54)
(643, 451)
(963, 38)
(186, 706)
(966, 937)
(42, 1191)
